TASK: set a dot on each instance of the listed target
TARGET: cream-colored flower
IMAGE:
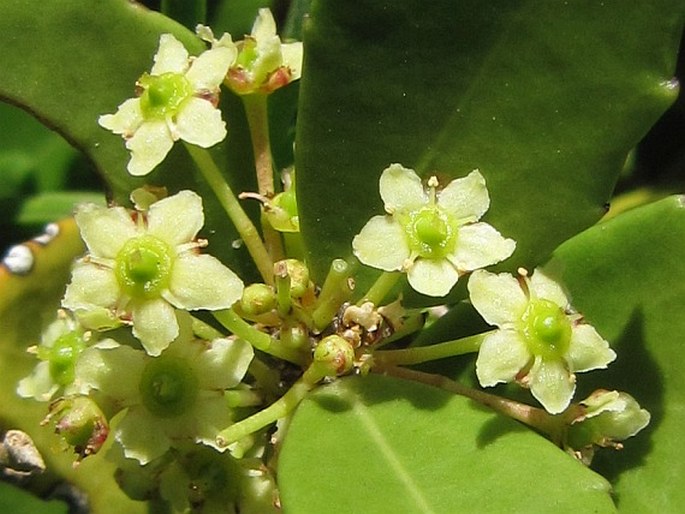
(541, 341)
(142, 265)
(434, 236)
(170, 400)
(177, 101)
(264, 63)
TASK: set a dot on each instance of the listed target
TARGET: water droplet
(50, 233)
(238, 243)
(19, 260)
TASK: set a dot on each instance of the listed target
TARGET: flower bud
(81, 424)
(335, 354)
(258, 299)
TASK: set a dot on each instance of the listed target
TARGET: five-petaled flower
(140, 265)
(177, 101)
(541, 341)
(434, 236)
(264, 64)
(172, 400)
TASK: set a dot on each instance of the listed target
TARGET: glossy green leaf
(69, 62)
(45, 207)
(383, 445)
(627, 276)
(27, 303)
(545, 98)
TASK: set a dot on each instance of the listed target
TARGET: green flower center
(547, 329)
(62, 357)
(163, 94)
(430, 232)
(143, 267)
(168, 387)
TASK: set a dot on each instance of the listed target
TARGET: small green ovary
(547, 329)
(168, 387)
(430, 232)
(143, 267)
(163, 94)
(62, 357)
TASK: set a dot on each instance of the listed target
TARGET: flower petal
(176, 219)
(91, 286)
(500, 358)
(479, 245)
(112, 369)
(202, 282)
(543, 287)
(465, 198)
(199, 123)
(552, 384)
(104, 230)
(401, 189)
(292, 58)
(141, 435)
(264, 26)
(155, 325)
(171, 57)
(126, 120)
(432, 277)
(497, 297)
(382, 244)
(39, 385)
(210, 416)
(224, 365)
(588, 350)
(149, 146)
(209, 69)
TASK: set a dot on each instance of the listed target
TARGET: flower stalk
(420, 354)
(229, 202)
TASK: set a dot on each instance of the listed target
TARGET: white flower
(170, 400)
(264, 64)
(541, 341)
(142, 265)
(178, 101)
(433, 235)
(61, 345)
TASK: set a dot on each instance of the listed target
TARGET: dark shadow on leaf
(636, 372)
(496, 427)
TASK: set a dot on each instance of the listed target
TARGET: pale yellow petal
(498, 298)
(479, 245)
(176, 219)
(432, 277)
(588, 350)
(199, 123)
(401, 189)
(465, 198)
(501, 357)
(552, 384)
(155, 325)
(149, 146)
(126, 120)
(104, 230)
(209, 69)
(171, 57)
(382, 244)
(202, 282)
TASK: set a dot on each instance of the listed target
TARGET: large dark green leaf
(545, 98)
(627, 276)
(70, 61)
(383, 445)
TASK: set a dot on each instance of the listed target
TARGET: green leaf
(76, 63)
(45, 207)
(377, 444)
(627, 277)
(16, 501)
(545, 98)
(27, 303)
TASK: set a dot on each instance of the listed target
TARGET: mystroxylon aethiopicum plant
(187, 375)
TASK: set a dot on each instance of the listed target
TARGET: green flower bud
(336, 354)
(258, 299)
(81, 424)
(299, 276)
